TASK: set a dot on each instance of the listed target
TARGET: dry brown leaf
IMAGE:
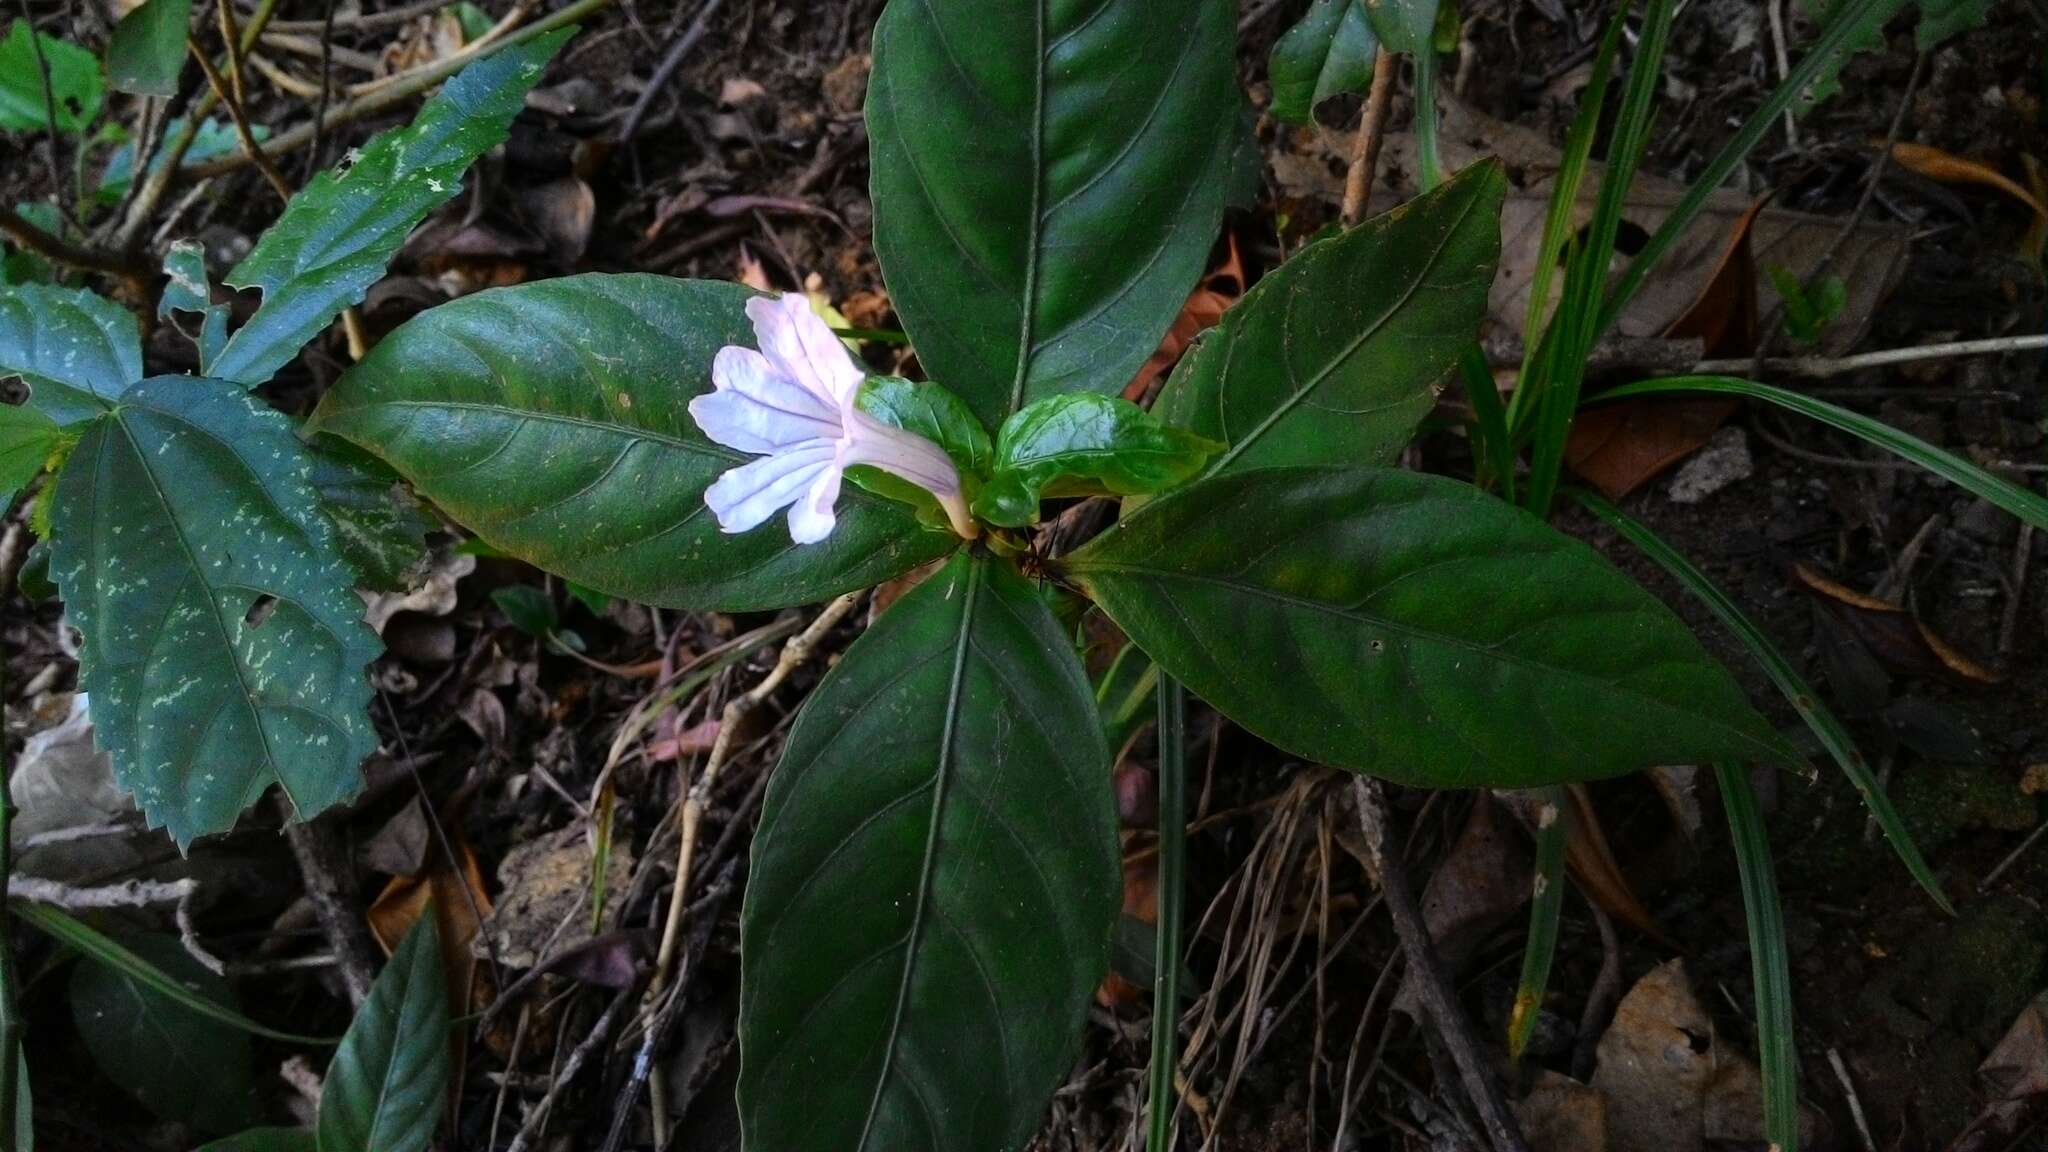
(1593, 867)
(2018, 1067)
(1949, 168)
(1897, 638)
(1562, 1115)
(1205, 307)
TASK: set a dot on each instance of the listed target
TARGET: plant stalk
(1173, 843)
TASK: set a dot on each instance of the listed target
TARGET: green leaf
(385, 1087)
(189, 289)
(934, 413)
(1406, 26)
(527, 608)
(1047, 180)
(551, 419)
(1546, 901)
(182, 1065)
(27, 437)
(76, 350)
(377, 524)
(1942, 20)
(2024, 503)
(936, 873)
(1336, 355)
(337, 235)
(74, 83)
(1770, 960)
(21, 266)
(1330, 51)
(1081, 444)
(214, 139)
(223, 639)
(24, 1106)
(267, 1140)
(148, 48)
(1414, 628)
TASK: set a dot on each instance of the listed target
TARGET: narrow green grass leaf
(102, 949)
(1825, 727)
(1493, 445)
(1769, 959)
(1546, 902)
(1841, 36)
(1166, 962)
(2028, 505)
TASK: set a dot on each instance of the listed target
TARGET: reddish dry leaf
(1592, 865)
(457, 901)
(1618, 447)
(1205, 307)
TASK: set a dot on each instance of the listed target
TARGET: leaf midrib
(1036, 240)
(1164, 575)
(1288, 403)
(941, 777)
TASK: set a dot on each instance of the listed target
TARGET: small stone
(1722, 462)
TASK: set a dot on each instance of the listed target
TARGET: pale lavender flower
(792, 403)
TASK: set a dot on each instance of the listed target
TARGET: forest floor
(751, 163)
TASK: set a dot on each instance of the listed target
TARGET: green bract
(1081, 444)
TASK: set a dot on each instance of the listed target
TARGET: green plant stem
(1494, 449)
(1769, 962)
(1547, 902)
(1798, 692)
(2028, 505)
(397, 92)
(1173, 706)
(1432, 172)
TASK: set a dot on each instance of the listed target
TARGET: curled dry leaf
(1897, 638)
(1949, 168)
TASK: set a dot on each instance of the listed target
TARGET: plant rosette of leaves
(936, 870)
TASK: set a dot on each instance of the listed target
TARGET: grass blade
(2027, 505)
(1858, 17)
(102, 949)
(1173, 766)
(1768, 958)
(1552, 825)
(1432, 172)
(1494, 448)
(1825, 727)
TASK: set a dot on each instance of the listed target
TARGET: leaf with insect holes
(1335, 356)
(76, 350)
(337, 235)
(188, 289)
(385, 1086)
(1329, 52)
(934, 884)
(223, 641)
(147, 50)
(552, 419)
(1047, 181)
(1415, 628)
(74, 84)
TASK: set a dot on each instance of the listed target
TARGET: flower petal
(801, 344)
(811, 518)
(906, 454)
(748, 495)
(757, 409)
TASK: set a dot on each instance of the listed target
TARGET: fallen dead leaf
(1898, 639)
(1478, 888)
(2018, 1067)
(435, 596)
(1562, 1115)
(1949, 168)
(1204, 308)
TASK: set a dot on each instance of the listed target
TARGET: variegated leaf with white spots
(223, 643)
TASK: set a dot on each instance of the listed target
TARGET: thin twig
(320, 115)
(2012, 857)
(1383, 845)
(230, 44)
(250, 147)
(330, 887)
(666, 70)
(1365, 152)
(599, 1035)
(1819, 367)
(57, 184)
(1855, 1104)
(50, 247)
(2016, 596)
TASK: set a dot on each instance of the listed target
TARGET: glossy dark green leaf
(551, 420)
(75, 349)
(385, 1087)
(1047, 181)
(74, 83)
(180, 1064)
(267, 1140)
(1082, 444)
(223, 640)
(1407, 26)
(934, 884)
(1328, 52)
(27, 437)
(1414, 628)
(377, 523)
(188, 289)
(1336, 355)
(928, 409)
(339, 232)
(147, 50)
